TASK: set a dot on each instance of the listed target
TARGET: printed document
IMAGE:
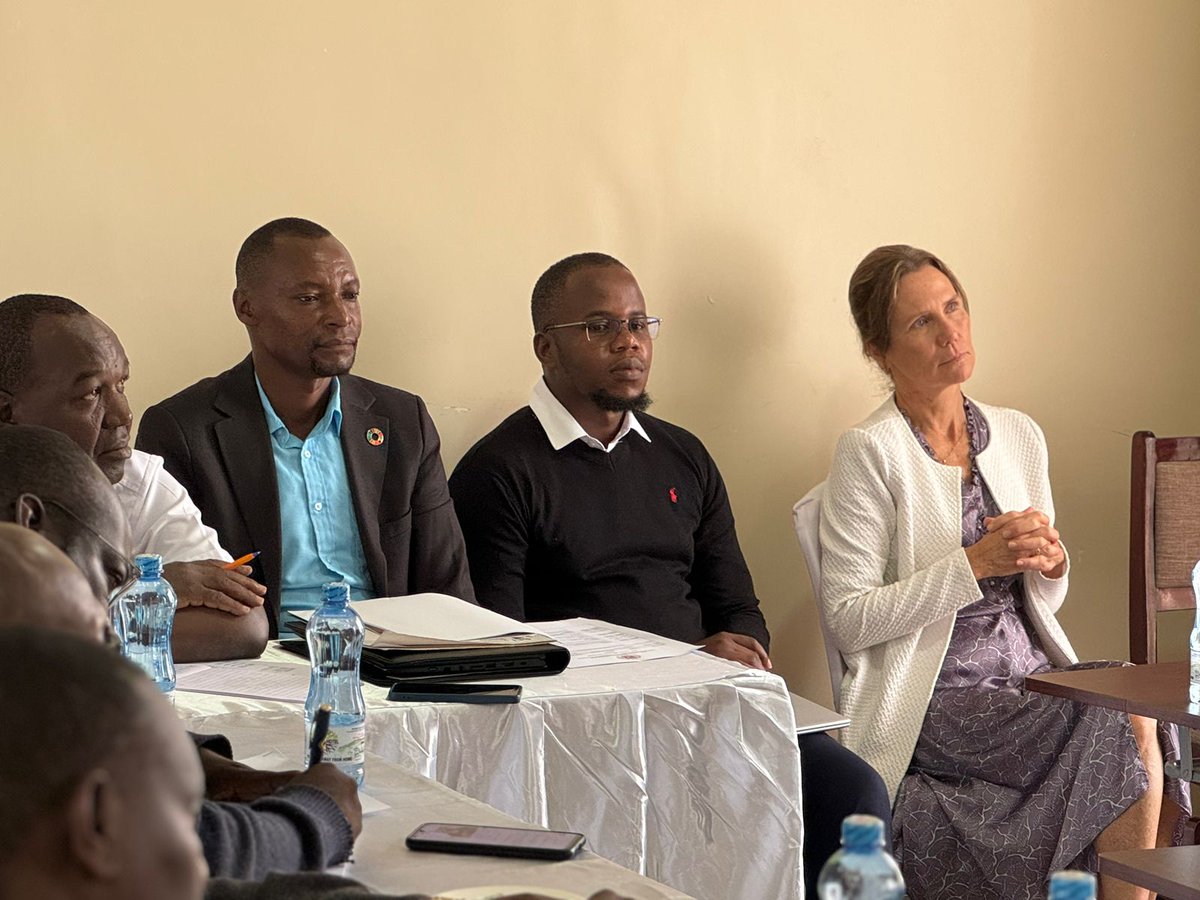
(596, 643)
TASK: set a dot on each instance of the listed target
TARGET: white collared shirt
(561, 428)
(162, 516)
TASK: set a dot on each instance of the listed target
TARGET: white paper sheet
(433, 620)
(245, 678)
(274, 761)
(596, 643)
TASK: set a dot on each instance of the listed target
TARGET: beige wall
(740, 158)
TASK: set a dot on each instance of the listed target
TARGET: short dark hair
(873, 289)
(84, 703)
(48, 464)
(261, 242)
(18, 316)
(549, 287)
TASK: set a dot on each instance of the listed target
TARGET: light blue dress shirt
(319, 532)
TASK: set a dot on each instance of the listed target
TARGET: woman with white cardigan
(941, 573)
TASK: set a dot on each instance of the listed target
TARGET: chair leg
(1191, 831)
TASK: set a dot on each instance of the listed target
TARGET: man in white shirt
(162, 514)
(63, 368)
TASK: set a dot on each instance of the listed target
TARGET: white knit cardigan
(894, 573)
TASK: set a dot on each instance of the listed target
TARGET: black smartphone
(492, 840)
(454, 692)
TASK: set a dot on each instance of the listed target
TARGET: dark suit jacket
(214, 439)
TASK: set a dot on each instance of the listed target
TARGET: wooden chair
(1164, 535)
(1164, 545)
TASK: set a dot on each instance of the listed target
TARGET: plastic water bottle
(1072, 886)
(335, 640)
(146, 614)
(1194, 642)
(862, 869)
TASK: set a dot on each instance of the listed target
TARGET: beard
(328, 369)
(612, 403)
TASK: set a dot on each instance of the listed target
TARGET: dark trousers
(835, 783)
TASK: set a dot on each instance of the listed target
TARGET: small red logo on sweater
(673, 495)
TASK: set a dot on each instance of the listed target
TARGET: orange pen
(242, 560)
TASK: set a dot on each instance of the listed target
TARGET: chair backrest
(1164, 534)
(806, 517)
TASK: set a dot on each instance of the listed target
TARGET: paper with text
(596, 643)
(245, 678)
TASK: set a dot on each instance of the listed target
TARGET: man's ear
(93, 815)
(6, 407)
(543, 348)
(243, 307)
(29, 512)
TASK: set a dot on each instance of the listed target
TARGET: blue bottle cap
(1072, 886)
(337, 592)
(862, 832)
(150, 565)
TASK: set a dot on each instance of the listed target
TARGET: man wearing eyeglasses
(581, 504)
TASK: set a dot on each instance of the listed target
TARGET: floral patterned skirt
(1006, 787)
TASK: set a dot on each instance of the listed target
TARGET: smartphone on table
(453, 692)
(494, 840)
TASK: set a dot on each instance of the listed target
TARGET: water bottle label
(1194, 681)
(345, 744)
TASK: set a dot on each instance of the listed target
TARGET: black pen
(320, 730)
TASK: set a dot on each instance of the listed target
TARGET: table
(383, 862)
(685, 770)
(1160, 691)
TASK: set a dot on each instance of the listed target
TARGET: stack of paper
(437, 622)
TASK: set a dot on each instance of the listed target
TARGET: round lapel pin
(374, 437)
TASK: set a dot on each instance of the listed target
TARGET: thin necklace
(950, 452)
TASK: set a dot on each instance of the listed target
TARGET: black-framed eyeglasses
(605, 329)
(132, 570)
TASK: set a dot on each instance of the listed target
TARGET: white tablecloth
(685, 770)
(383, 862)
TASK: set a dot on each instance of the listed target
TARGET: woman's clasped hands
(1017, 542)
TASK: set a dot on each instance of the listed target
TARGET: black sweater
(642, 536)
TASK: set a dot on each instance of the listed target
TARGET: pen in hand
(320, 730)
(242, 560)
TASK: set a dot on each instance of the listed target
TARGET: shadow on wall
(768, 377)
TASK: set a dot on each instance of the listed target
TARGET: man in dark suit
(332, 477)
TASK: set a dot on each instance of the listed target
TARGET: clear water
(147, 614)
(335, 639)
